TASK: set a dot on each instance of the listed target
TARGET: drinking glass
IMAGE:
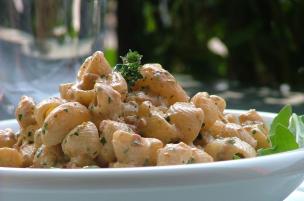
(42, 44)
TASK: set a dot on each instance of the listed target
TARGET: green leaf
(282, 118)
(282, 140)
(302, 118)
(296, 126)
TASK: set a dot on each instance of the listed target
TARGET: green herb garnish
(230, 141)
(281, 138)
(282, 118)
(129, 69)
(191, 160)
(39, 152)
(237, 156)
(45, 127)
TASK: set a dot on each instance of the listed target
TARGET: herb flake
(191, 160)
(109, 100)
(237, 156)
(126, 150)
(103, 141)
(230, 141)
(76, 133)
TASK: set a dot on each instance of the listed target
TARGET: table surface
(297, 195)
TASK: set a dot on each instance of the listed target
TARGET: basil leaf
(282, 140)
(278, 132)
(282, 118)
(296, 126)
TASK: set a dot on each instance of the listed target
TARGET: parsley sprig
(130, 66)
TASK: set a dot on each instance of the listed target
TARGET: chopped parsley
(20, 117)
(237, 156)
(66, 110)
(103, 141)
(129, 68)
(45, 127)
(230, 141)
(191, 160)
(109, 100)
(126, 150)
(39, 152)
(146, 162)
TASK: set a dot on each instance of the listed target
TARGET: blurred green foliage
(111, 55)
(265, 39)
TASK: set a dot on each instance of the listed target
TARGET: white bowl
(267, 178)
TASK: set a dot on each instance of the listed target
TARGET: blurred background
(249, 52)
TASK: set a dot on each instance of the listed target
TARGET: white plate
(267, 178)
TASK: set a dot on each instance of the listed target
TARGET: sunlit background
(249, 52)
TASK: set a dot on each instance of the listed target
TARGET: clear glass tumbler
(42, 44)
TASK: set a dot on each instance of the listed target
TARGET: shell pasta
(128, 117)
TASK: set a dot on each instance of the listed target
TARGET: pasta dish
(128, 116)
